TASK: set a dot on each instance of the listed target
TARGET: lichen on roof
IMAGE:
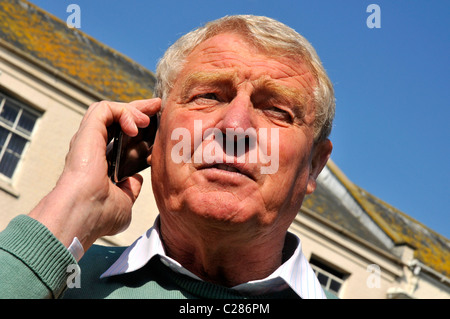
(73, 53)
(430, 248)
(330, 207)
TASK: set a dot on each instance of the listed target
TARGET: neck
(222, 258)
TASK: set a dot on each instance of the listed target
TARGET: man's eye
(207, 96)
(278, 113)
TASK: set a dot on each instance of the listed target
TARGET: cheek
(290, 181)
(289, 147)
(173, 149)
(169, 179)
(164, 180)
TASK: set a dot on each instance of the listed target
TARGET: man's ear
(319, 158)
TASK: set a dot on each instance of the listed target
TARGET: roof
(73, 54)
(430, 248)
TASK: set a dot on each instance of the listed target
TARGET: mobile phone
(127, 155)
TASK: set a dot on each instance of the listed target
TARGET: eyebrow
(222, 80)
(295, 97)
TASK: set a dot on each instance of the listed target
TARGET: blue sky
(391, 133)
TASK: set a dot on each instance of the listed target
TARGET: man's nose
(238, 126)
(238, 114)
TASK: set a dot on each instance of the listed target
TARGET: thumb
(132, 186)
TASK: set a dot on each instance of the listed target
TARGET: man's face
(227, 84)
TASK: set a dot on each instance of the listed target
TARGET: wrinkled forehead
(231, 53)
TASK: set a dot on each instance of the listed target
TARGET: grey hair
(268, 35)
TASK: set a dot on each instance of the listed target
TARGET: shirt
(295, 272)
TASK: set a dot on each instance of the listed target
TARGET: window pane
(26, 122)
(335, 286)
(8, 164)
(322, 279)
(3, 135)
(9, 113)
(16, 144)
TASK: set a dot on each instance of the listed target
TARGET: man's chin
(222, 207)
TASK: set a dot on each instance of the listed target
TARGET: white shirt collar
(295, 272)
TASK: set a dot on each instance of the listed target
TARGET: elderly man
(240, 81)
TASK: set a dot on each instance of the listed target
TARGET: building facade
(359, 246)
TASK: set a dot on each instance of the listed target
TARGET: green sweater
(34, 264)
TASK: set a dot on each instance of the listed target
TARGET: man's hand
(85, 203)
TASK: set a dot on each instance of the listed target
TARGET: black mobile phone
(127, 155)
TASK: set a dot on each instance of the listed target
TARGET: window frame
(13, 130)
(330, 276)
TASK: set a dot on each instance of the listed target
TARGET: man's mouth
(229, 167)
(226, 168)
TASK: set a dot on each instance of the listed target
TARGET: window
(330, 278)
(16, 125)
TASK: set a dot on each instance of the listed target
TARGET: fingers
(130, 116)
(88, 145)
(149, 106)
(141, 110)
